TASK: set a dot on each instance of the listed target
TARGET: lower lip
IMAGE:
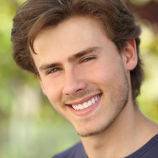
(87, 111)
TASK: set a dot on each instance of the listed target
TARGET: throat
(116, 141)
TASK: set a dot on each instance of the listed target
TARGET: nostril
(73, 87)
(73, 91)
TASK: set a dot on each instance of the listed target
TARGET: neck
(123, 137)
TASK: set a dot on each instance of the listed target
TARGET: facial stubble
(121, 105)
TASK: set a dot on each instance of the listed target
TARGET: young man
(85, 54)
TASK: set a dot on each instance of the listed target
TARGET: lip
(87, 111)
(82, 100)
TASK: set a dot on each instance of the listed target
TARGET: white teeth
(93, 101)
(86, 104)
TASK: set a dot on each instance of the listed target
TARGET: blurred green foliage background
(29, 127)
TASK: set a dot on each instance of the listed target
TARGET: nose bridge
(73, 81)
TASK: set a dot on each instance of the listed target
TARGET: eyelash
(57, 69)
(53, 70)
(86, 59)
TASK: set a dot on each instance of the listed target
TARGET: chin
(88, 132)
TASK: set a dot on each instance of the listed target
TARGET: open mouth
(85, 106)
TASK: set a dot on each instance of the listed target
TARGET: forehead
(70, 36)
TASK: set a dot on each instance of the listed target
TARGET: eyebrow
(72, 58)
(47, 66)
(83, 52)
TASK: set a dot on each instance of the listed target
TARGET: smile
(86, 104)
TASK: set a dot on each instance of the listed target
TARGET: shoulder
(76, 151)
(152, 148)
(149, 150)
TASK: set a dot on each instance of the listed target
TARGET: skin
(76, 64)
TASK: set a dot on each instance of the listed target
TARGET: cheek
(52, 90)
(102, 73)
(108, 76)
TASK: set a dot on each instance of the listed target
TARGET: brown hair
(35, 15)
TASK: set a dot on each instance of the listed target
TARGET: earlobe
(129, 55)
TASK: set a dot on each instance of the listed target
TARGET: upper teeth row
(86, 104)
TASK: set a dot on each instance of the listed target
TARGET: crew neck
(147, 147)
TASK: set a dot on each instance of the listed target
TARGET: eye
(87, 58)
(53, 70)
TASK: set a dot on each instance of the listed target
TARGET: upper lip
(80, 101)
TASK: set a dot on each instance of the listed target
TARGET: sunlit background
(29, 127)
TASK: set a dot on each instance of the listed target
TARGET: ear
(129, 55)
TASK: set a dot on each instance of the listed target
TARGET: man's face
(82, 74)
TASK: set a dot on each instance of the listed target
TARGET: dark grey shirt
(149, 150)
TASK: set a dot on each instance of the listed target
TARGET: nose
(73, 83)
